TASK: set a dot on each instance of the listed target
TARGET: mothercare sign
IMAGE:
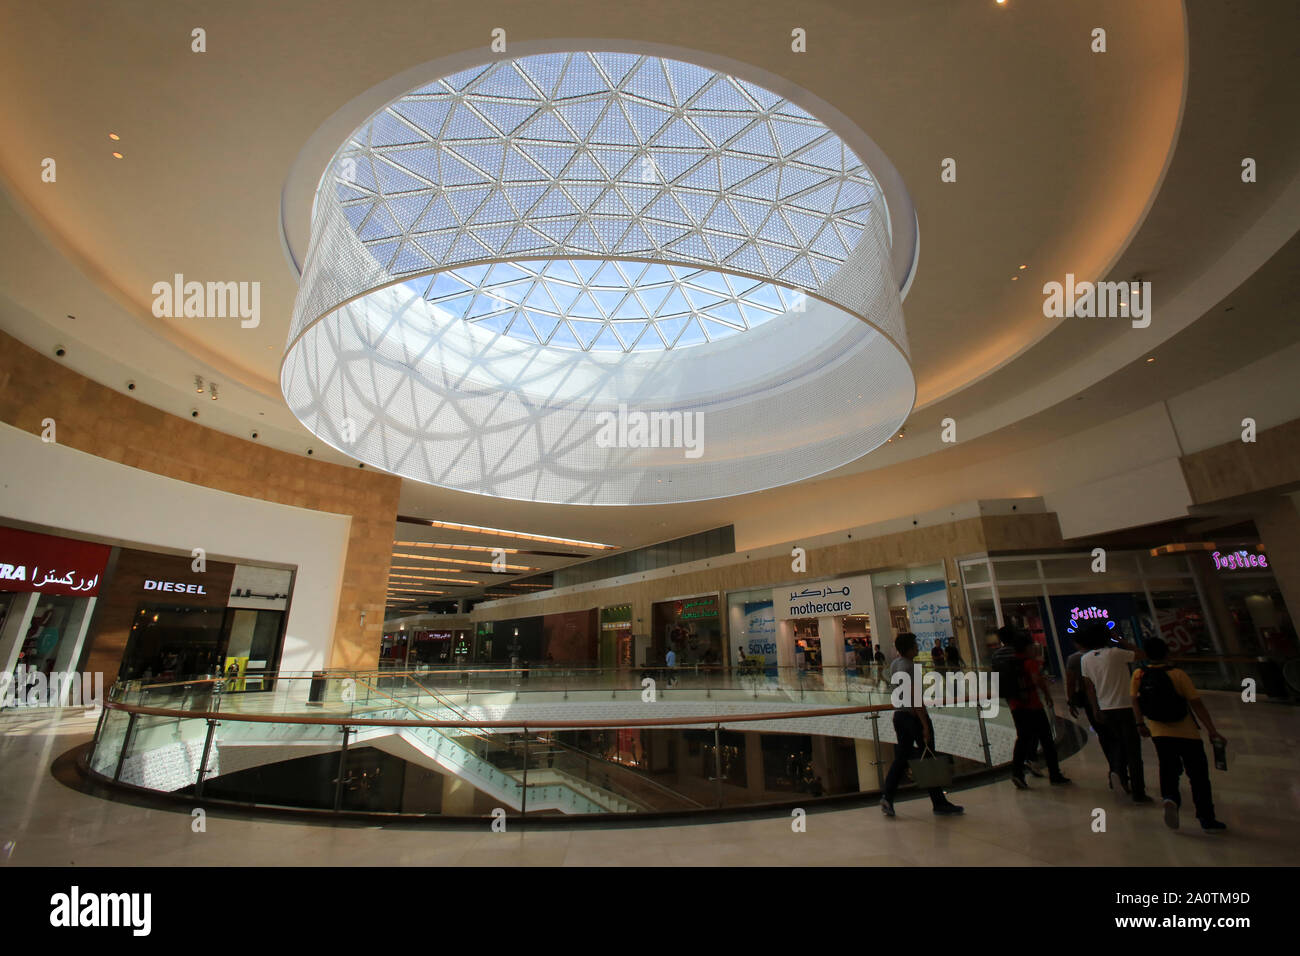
(824, 599)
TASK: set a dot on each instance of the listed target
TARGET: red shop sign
(50, 565)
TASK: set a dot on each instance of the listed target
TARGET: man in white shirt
(1106, 678)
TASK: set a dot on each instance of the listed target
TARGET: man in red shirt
(1027, 707)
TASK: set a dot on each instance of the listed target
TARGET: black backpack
(1011, 674)
(1158, 698)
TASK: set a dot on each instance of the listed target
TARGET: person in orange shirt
(1164, 699)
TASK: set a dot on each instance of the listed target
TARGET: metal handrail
(508, 724)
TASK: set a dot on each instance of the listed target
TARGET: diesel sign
(174, 586)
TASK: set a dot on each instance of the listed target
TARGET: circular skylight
(503, 257)
(610, 155)
(606, 305)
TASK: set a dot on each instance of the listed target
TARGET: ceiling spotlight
(198, 384)
(212, 387)
(114, 137)
(1024, 267)
(117, 155)
(1150, 360)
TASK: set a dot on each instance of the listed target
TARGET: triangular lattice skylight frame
(613, 206)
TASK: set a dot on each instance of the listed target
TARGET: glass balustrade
(463, 742)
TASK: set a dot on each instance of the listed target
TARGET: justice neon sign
(1238, 560)
(1079, 616)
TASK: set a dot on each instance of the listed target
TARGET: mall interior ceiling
(1012, 149)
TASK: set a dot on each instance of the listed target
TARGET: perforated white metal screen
(502, 257)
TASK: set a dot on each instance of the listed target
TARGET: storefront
(616, 647)
(1050, 596)
(133, 614)
(1261, 625)
(915, 600)
(170, 617)
(752, 625)
(570, 638)
(691, 626)
(49, 588)
(432, 647)
(518, 640)
(395, 649)
(820, 622)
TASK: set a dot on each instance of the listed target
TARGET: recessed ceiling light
(117, 155)
(114, 137)
(1014, 278)
(1150, 360)
(1024, 267)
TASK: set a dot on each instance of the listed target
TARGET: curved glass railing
(526, 742)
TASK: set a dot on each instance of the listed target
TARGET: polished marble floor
(43, 822)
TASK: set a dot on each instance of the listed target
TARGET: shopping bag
(931, 770)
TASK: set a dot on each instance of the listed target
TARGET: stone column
(830, 630)
(1278, 523)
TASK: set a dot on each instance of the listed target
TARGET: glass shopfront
(809, 616)
(691, 627)
(173, 618)
(570, 637)
(915, 600)
(752, 624)
(49, 588)
(616, 644)
(126, 613)
(1137, 595)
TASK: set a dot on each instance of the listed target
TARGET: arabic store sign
(50, 565)
(824, 599)
(697, 608)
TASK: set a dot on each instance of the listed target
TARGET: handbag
(932, 771)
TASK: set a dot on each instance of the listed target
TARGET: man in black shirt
(913, 731)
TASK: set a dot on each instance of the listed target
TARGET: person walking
(1106, 678)
(1089, 637)
(1166, 697)
(1030, 700)
(913, 732)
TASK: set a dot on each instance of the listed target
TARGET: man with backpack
(1021, 682)
(1166, 697)
(1106, 678)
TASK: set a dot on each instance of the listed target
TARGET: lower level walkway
(45, 823)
